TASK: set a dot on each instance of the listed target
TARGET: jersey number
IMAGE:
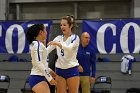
(62, 52)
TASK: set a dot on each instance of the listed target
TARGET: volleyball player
(66, 64)
(36, 35)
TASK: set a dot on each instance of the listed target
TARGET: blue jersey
(87, 59)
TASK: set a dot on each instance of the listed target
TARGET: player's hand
(53, 74)
(52, 43)
(80, 68)
(55, 44)
(52, 82)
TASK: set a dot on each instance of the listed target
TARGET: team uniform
(87, 59)
(66, 64)
(40, 70)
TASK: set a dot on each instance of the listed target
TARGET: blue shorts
(67, 73)
(35, 79)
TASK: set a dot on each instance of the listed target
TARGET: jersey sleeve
(37, 50)
(51, 47)
(47, 67)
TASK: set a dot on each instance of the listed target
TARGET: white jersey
(39, 60)
(66, 55)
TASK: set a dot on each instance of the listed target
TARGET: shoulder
(60, 36)
(74, 37)
(37, 44)
(33, 45)
(91, 49)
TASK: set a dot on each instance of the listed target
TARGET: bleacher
(19, 71)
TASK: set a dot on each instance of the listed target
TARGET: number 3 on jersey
(62, 52)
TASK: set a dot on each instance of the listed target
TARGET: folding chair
(133, 90)
(103, 84)
(26, 88)
(4, 83)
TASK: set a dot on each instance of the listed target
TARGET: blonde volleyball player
(66, 64)
(40, 72)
